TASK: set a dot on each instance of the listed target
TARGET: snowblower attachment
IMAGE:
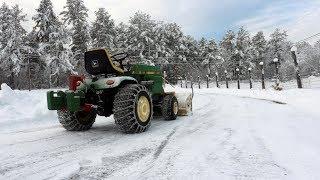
(184, 99)
(185, 103)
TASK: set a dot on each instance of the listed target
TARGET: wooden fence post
(250, 79)
(262, 75)
(226, 76)
(238, 77)
(217, 80)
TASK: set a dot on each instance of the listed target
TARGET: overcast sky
(209, 18)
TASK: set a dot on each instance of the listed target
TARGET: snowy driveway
(227, 137)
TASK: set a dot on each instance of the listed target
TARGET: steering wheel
(119, 57)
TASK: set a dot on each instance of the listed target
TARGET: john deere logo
(95, 63)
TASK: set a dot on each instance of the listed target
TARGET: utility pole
(207, 80)
(226, 76)
(294, 57)
(250, 78)
(199, 82)
(238, 77)
(262, 75)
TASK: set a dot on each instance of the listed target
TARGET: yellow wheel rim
(175, 108)
(143, 108)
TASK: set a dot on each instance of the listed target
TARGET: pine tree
(120, 40)
(169, 42)
(278, 47)
(190, 67)
(51, 39)
(277, 44)
(169, 48)
(141, 36)
(103, 30)
(259, 46)
(243, 54)
(227, 47)
(203, 49)
(76, 14)
(259, 52)
(5, 15)
(212, 57)
(46, 22)
(12, 55)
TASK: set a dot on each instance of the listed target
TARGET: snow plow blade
(185, 103)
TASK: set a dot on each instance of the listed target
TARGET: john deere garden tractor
(130, 93)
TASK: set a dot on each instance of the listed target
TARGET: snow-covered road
(231, 135)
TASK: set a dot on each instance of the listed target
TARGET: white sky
(208, 18)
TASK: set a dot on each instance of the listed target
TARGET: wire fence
(312, 82)
(194, 72)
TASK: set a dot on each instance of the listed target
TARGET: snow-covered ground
(232, 134)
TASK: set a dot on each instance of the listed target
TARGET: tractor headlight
(110, 82)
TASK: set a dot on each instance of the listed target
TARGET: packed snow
(231, 134)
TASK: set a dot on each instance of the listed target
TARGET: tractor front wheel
(170, 107)
(76, 121)
(132, 109)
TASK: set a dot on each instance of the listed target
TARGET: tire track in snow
(163, 144)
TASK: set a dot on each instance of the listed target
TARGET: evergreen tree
(169, 48)
(141, 36)
(277, 44)
(259, 47)
(120, 40)
(46, 22)
(76, 14)
(243, 54)
(5, 16)
(212, 57)
(169, 42)
(259, 52)
(103, 30)
(203, 48)
(278, 47)
(51, 39)
(13, 53)
(190, 66)
(227, 47)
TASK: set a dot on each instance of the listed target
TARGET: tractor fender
(112, 82)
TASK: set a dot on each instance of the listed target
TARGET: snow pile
(298, 98)
(23, 109)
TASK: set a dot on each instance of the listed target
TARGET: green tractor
(130, 92)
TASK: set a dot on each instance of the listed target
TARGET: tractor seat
(99, 62)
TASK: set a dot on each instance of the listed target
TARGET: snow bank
(298, 98)
(23, 109)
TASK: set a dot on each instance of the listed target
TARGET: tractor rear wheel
(76, 121)
(132, 109)
(170, 107)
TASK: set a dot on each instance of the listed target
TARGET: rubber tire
(167, 107)
(125, 109)
(71, 121)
